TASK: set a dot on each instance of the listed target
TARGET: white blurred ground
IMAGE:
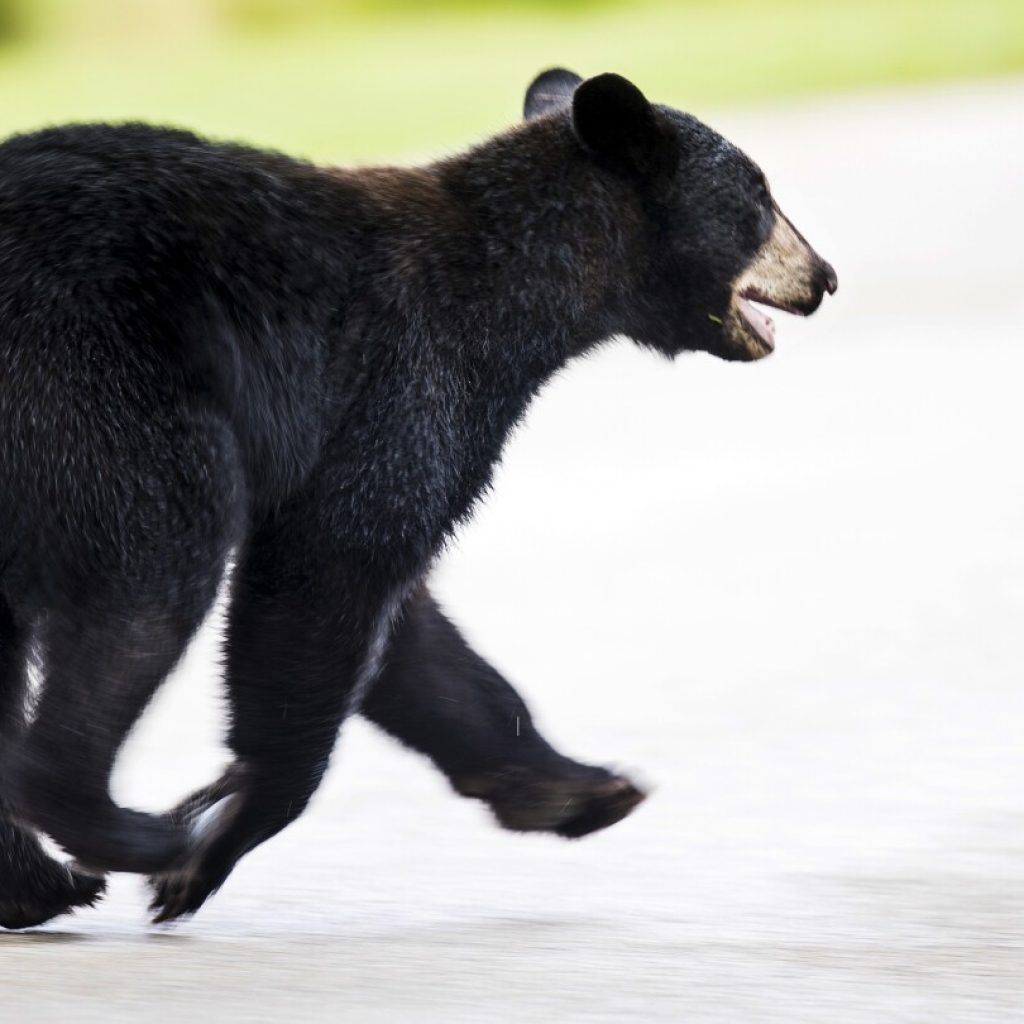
(790, 594)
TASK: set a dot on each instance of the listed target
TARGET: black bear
(209, 352)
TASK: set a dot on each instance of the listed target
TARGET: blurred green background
(355, 80)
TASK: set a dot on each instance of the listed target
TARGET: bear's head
(715, 243)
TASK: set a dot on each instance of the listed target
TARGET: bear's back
(93, 201)
(143, 265)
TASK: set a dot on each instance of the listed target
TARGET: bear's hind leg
(438, 696)
(121, 606)
(101, 668)
(33, 886)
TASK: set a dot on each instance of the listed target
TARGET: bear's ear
(613, 117)
(548, 91)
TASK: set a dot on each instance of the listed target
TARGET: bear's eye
(765, 221)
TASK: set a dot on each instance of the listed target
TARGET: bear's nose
(828, 277)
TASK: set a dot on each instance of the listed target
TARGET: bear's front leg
(306, 628)
(438, 696)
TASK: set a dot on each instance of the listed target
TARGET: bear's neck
(490, 271)
(518, 249)
(549, 239)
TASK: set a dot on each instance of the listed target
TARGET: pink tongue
(763, 324)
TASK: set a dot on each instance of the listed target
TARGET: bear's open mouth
(760, 326)
(757, 321)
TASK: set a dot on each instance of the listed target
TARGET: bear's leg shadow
(307, 623)
(33, 886)
(439, 697)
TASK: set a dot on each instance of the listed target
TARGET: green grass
(368, 85)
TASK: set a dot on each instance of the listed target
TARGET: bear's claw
(206, 815)
(61, 890)
(181, 891)
(178, 894)
(603, 806)
(583, 800)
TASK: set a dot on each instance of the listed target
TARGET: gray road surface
(790, 594)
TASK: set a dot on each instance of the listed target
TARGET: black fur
(207, 348)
